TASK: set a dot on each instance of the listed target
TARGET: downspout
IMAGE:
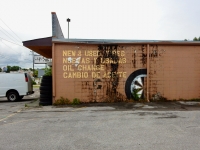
(53, 72)
(147, 72)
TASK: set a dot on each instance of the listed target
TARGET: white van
(15, 86)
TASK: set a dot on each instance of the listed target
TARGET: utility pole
(68, 20)
(33, 60)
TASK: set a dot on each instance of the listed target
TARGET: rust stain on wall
(106, 72)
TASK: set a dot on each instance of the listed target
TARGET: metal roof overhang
(42, 46)
(116, 41)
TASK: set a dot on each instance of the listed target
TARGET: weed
(195, 99)
(62, 101)
(76, 101)
(135, 94)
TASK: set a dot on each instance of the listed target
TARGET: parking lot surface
(158, 126)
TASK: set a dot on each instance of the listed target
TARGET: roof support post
(148, 72)
(53, 72)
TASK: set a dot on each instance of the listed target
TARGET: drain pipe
(147, 72)
(53, 71)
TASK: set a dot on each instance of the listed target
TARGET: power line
(8, 35)
(10, 29)
(13, 49)
(12, 42)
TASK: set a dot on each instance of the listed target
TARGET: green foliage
(24, 69)
(76, 101)
(8, 69)
(33, 82)
(14, 68)
(0, 69)
(47, 72)
(62, 101)
(35, 73)
(195, 39)
(135, 94)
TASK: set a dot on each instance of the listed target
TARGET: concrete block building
(100, 70)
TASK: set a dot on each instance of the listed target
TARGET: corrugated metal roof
(122, 41)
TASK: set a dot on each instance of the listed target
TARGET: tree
(35, 74)
(14, 68)
(8, 69)
(195, 39)
(0, 69)
(24, 69)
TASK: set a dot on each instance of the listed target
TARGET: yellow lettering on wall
(122, 53)
(106, 75)
(83, 60)
(69, 60)
(95, 60)
(64, 74)
(90, 67)
(67, 68)
(75, 74)
(122, 60)
(65, 60)
(87, 60)
(79, 53)
(96, 75)
(69, 53)
(91, 53)
(124, 75)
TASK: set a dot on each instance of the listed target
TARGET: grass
(37, 85)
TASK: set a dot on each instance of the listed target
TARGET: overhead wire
(7, 34)
(14, 50)
(10, 29)
(11, 42)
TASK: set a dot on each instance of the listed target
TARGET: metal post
(148, 72)
(68, 20)
(33, 62)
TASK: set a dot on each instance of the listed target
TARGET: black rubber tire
(46, 88)
(20, 97)
(46, 84)
(45, 101)
(46, 92)
(130, 79)
(45, 96)
(13, 96)
(46, 80)
(47, 77)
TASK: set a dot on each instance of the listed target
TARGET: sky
(23, 20)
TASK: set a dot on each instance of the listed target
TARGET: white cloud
(98, 19)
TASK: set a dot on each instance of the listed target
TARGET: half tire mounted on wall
(46, 91)
(132, 79)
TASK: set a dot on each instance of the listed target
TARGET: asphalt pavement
(103, 126)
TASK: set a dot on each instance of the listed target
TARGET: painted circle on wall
(135, 81)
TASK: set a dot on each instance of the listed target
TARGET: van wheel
(13, 96)
(21, 97)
